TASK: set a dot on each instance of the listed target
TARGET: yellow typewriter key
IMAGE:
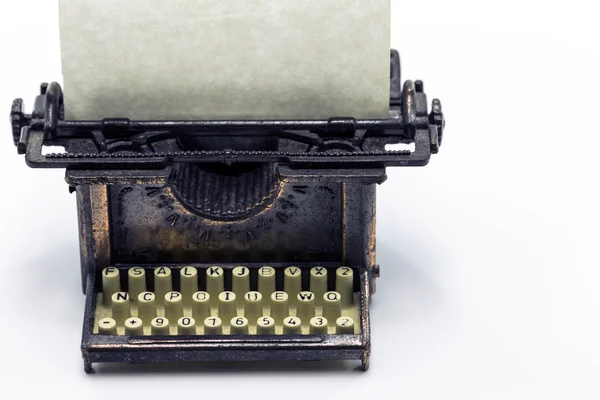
(239, 326)
(111, 284)
(253, 305)
(266, 281)
(265, 326)
(188, 280)
(163, 282)
(332, 307)
(134, 327)
(344, 285)
(279, 306)
(201, 306)
(137, 282)
(318, 326)
(318, 283)
(213, 326)
(173, 306)
(344, 325)
(186, 326)
(227, 308)
(292, 326)
(107, 326)
(146, 306)
(215, 283)
(160, 326)
(121, 309)
(292, 282)
(305, 306)
(240, 282)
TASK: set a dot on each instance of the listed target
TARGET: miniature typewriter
(228, 240)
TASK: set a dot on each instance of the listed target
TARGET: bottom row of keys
(214, 326)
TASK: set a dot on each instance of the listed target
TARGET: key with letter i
(227, 306)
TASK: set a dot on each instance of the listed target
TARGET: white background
(490, 282)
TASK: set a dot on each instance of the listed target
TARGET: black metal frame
(332, 143)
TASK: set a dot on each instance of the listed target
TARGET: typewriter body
(199, 209)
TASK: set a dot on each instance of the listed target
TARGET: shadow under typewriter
(226, 367)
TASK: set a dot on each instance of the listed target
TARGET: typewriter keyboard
(217, 301)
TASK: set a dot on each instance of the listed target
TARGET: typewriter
(234, 240)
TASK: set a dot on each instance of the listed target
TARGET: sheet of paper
(220, 59)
